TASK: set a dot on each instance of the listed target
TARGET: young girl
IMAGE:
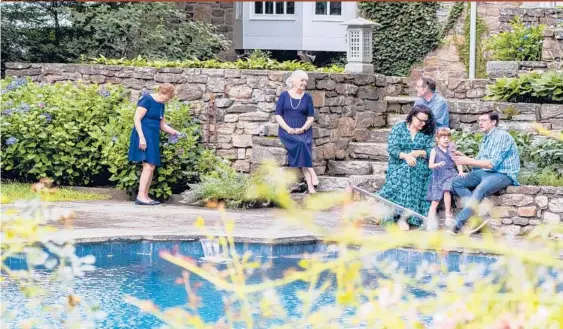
(443, 172)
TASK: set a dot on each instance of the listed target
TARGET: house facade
(308, 26)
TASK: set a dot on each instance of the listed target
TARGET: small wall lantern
(359, 50)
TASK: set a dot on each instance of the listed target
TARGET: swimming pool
(135, 268)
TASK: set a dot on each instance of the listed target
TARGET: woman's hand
(291, 131)
(411, 160)
(299, 131)
(418, 153)
(441, 164)
(142, 144)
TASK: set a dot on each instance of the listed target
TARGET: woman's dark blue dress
(150, 124)
(295, 112)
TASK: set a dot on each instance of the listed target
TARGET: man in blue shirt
(426, 90)
(497, 166)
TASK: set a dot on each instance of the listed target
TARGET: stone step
(371, 183)
(393, 118)
(378, 135)
(346, 168)
(370, 151)
(356, 167)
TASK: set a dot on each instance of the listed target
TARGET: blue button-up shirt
(439, 108)
(499, 148)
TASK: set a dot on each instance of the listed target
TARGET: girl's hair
(429, 126)
(294, 75)
(443, 132)
(166, 88)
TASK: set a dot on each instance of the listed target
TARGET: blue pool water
(135, 268)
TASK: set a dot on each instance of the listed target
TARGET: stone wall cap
(400, 99)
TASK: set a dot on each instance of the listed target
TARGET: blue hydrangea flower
(12, 140)
(104, 93)
(173, 139)
(114, 139)
(520, 49)
(24, 107)
(526, 37)
(7, 112)
(47, 117)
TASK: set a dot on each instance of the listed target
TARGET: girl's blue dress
(295, 112)
(441, 179)
(150, 124)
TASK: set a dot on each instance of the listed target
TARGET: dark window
(290, 8)
(335, 8)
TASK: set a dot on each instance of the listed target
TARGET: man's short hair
(429, 83)
(493, 116)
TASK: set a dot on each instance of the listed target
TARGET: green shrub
(541, 158)
(178, 155)
(529, 88)
(258, 60)
(522, 43)
(467, 142)
(51, 130)
(544, 177)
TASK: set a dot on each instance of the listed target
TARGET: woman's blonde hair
(294, 75)
(166, 89)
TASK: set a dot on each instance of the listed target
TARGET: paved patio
(100, 220)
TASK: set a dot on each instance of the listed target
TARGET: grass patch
(11, 192)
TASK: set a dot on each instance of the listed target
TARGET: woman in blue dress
(295, 115)
(145, 137)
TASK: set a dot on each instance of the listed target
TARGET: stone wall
(520, 208)
(444, 63)
(509, 69)
(354, 113)
(552, 49)
(534, 16)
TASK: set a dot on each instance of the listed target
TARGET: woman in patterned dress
(295, 115)
(408, 175)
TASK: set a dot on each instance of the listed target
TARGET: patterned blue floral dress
(441, 178)
(405, 185)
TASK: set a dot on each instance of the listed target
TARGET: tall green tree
(62, 31)
(37, 31)
(152, 30)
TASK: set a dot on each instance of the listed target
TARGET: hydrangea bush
(79, 134)
(52, 130)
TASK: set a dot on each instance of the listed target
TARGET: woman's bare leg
(314, 178)
(308, 179)
(145, 182)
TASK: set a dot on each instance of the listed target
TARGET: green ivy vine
(453, 15)
(408, 31)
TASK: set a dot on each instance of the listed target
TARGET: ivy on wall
(408, 32)
(453, 15)
(462, 47)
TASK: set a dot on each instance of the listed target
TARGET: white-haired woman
(295, 115)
